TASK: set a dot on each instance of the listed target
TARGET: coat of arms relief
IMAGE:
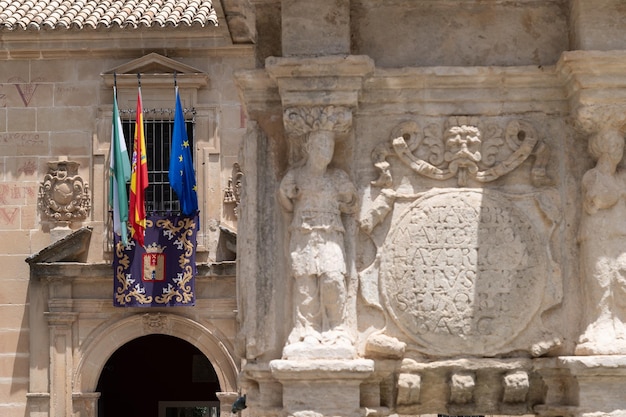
(63, 194)
(458, 239)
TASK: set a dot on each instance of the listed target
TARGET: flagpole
(181, 173)
(120, 171)
(139, 177)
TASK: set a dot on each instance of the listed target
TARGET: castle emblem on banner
(162, 273)
(153, 263)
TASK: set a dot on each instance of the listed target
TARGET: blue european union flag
(181, 174)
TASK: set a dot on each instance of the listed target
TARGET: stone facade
(427, 200)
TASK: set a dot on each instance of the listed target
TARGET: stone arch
(207, 339)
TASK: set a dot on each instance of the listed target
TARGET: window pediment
(156, 71)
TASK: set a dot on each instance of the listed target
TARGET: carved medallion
(462, 270)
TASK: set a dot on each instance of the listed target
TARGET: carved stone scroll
(464, 151)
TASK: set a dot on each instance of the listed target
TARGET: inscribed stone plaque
(463, 271)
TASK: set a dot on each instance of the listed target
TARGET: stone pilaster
(585, 386)
(61, 364)
(85, 404)
(226, 400)
(312, 97)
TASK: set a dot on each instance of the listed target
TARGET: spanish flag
(138, 178)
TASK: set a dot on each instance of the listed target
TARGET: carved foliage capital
(301, 120)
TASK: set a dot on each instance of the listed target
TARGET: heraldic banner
(163, 272)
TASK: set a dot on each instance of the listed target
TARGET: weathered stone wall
(459, 33)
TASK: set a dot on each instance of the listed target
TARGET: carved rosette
(63, 195)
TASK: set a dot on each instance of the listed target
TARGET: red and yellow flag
(138, 178)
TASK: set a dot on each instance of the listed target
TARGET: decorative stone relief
(516, 386)
(409, 386)
(462, 386)
(462, 270)
(603, 247)
(317, 195)
(63, 195)
(155, 322)
(465, 150)
(232, 192)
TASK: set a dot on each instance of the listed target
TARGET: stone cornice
(77, 271)
(464, 90)
(435, 91)
(257, 92)
(116, 43)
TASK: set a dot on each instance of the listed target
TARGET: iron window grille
(158, 126)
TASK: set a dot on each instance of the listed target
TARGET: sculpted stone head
(463, 142)
(320, 146)
(608, 143)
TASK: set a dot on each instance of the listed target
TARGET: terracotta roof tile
(66, 14)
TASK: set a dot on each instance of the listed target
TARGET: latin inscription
(461, 269)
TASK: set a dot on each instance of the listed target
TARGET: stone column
(596, 25)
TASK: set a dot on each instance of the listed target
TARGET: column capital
(319, 81)
(301, 120)
(593, 81)
(61, 318)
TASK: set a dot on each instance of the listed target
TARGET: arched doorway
(158, 376)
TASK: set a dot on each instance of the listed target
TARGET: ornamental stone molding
(591, 79)
(63, 195)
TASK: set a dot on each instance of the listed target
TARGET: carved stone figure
(603, 247)
(317, 195)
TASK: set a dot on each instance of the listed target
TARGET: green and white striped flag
(119, 174)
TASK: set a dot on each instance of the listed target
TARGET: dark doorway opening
(158, 376)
